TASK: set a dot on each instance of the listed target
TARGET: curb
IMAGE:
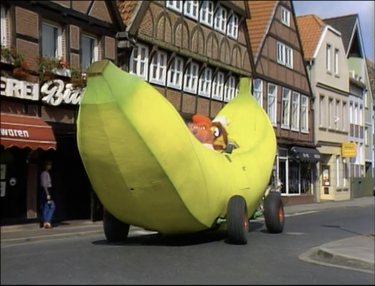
(327, 254)
(14, 241)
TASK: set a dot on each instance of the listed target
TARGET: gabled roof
(128, 10)
(262, 13)
(344, 24)
(310, 28)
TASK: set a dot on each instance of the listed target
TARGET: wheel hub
(281, 214)
(245, 223)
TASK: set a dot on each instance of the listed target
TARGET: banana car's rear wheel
(274, 213)
(237, 220)
(114, 230)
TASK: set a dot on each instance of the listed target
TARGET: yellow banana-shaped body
(148, 169)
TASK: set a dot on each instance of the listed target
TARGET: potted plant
(21, 67)
(49, 67)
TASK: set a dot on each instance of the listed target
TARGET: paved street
(194, 259)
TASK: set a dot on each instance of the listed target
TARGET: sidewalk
(31, 232)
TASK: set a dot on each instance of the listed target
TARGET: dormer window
(207, 13)
(220, 19)
(232, 30)
(285, 16)
(175, 5)
(191, 9)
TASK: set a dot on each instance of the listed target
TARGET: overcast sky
(326, 9)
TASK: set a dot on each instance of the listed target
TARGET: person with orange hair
(201, 129)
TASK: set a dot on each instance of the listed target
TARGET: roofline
(357, 28)
(338, 33)
(320, 42)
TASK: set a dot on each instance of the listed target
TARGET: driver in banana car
(211, 134)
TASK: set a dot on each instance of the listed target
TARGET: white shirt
(45, 180)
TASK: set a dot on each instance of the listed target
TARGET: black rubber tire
(114, 230)
(237, 220)
(274, 213)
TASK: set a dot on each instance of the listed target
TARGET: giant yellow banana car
(148, 169)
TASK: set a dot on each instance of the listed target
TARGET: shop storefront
(296, 168)
(38, 124)
(25, 140)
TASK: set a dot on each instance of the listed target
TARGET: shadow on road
(177, 240)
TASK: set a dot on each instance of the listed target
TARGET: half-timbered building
(192, 52)
(282, 87)
(45, 45)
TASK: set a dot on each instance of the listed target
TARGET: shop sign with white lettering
(55, 92)
(19, 89)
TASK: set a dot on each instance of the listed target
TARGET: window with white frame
(191, 9)
(230, 89)
(351, 113)
(175, 73)
(337, 118)
(322, 111)
(344, 115)
(336, 62)
(51, 40)
(295, 110)
(366, 136)
(191, 78)
(345, 172)
(304, 113)
(360, 115)
(4, 40)
(175, 5)
(232, 30)
(285, 16)
(205, 82)
(89, 48)
(218, 86)
(356, 114)
(139, 61)
(207, 13)
(258, 91)
(285, 112)
(220, 19)
(330, 112)
(158, 68)
(271, 102)
(338, 170)
(328, 57)
(284, 55)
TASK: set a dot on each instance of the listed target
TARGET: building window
(344, 116)
(191, 9)
(89, 48)
(295, 110)
(328, 58)
(366, 136)
(284, 55)
(258, 91)
(139, 61)
(322, 111)
(356, 114)
(330, 113)
(221, 19)
(285, 16)
(233, 27)
(304, 113)
(191, 78)
(158, 68)
(337, 170)
(218, 86)
(205, 82)
(337, 118)
(4, 40)
(175, 73)
(230, 89)
(271, 102)
(360, 115)
(351, 113)
(285, 108)
(175, 5)
(206, 13)
(345, 173)
(336, 62)
(51, 40)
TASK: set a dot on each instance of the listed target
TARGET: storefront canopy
(26, 132)
(305, 154)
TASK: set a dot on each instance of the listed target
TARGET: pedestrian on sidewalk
(47, 203)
